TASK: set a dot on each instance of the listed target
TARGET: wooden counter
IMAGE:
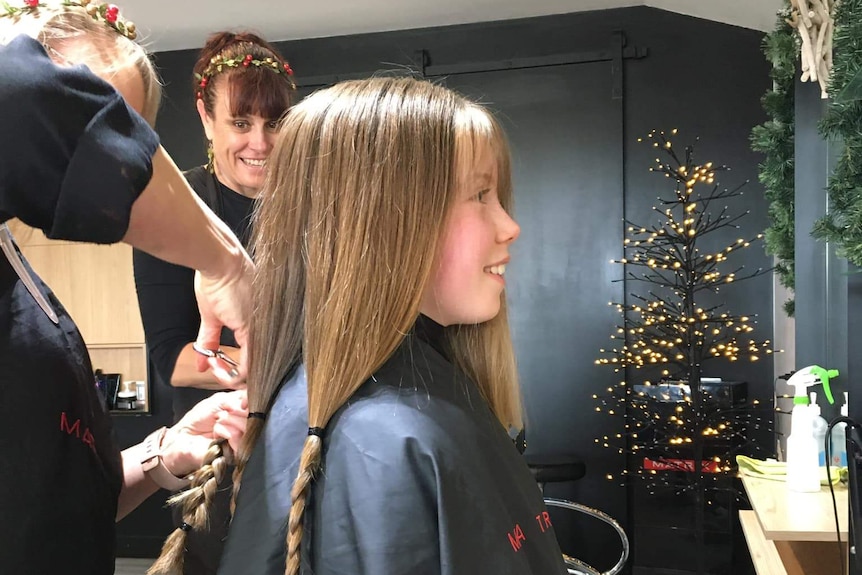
(792, 533)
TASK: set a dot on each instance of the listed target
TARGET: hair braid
(309, 463)
(253, 429)
(195, 501)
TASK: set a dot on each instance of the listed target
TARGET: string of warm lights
(671, 418)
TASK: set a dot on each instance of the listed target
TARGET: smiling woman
(242, 86)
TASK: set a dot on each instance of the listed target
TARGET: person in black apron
(242, 87)
(82, 164)
(382, 383)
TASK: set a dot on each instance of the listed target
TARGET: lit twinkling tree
(671, 328)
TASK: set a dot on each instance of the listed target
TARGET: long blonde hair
(361, 180)
(60, 27)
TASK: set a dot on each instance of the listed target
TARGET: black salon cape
(418, 478)
(73, 159)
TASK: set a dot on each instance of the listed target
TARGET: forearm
(164, 454)
(137, 486)
(171, 223)
(185, 372)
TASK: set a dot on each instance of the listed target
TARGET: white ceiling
(179, 24)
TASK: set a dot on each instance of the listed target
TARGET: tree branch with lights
(672, 327)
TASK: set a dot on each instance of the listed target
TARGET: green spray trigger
(824, 375)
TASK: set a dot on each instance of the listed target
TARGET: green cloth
(777, 470)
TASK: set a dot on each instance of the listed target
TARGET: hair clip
(107, 13)
(218, 354)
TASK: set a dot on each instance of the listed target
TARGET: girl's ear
(206, 120)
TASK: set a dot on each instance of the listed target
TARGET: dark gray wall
(822, 302)
(578, 172)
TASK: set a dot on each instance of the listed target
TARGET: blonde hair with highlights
(62, 28)
(362, 179)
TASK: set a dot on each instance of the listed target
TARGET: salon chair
(559, 468)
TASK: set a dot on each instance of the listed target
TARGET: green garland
(843, 123)
(775, 139)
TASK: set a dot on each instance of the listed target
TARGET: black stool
(555, 468)
(559, 468)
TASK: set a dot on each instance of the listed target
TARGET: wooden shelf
(792, 533)
(764, 554)
(130, 412)
(128, 359)
(790, 516)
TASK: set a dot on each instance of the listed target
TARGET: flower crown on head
(107, 13)
(218, 63)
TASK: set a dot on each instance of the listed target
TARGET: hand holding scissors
(224, 367)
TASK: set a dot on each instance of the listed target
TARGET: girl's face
(241, 145)
(467, 282)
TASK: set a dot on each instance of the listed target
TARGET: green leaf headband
(107, 13)
(219, 63)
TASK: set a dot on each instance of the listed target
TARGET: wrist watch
(154, 467)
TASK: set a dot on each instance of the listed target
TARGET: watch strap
(154, 466)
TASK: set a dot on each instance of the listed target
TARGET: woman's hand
(225, 301)
(220, 416)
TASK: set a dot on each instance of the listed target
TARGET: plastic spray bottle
(838, 448)
(803, 470)
(819, 427)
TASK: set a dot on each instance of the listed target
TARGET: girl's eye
(240, 124)
(482, 196)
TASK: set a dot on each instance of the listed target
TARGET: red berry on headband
(111, 13)
(31, 3)
(287, 69)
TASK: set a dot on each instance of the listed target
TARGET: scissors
(218, 354)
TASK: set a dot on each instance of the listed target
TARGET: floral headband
(218, 63)
(107, 13)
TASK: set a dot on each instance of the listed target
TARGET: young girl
(382, 380)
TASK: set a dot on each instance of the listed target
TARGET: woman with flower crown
(242, 86)
(82, 163)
